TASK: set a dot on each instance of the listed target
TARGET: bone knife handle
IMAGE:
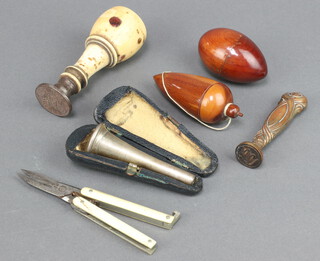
(288, 107)
(131, 209)
(114, 225)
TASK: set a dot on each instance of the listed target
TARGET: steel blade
(48, 185)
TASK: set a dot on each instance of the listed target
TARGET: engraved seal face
(249, 155)
(52, 100)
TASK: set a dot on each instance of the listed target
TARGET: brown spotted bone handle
(250, 153)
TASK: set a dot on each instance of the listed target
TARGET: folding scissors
(88, 202)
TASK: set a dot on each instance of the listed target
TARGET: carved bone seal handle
(115, 37)
(250, 153)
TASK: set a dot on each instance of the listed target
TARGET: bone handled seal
(115, 37)
(250, 154)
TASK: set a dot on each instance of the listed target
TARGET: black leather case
(131, 116)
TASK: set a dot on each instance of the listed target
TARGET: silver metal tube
(104, 143)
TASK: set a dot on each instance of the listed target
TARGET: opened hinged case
(132, 117)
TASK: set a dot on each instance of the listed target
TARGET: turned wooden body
(115, 37)
(202, 97)
(250, 153)
(232, 55)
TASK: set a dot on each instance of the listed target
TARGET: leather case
(134, 118)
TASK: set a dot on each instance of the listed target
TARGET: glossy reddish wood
(202, 97)
(232, 55)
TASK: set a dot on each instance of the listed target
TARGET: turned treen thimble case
(115, 37)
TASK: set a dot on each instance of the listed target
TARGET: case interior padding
(135, 115)
(130, 113)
